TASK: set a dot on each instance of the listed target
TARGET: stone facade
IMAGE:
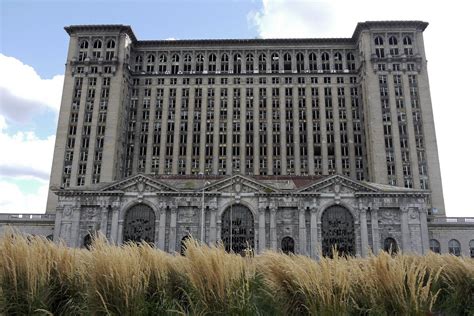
(288, 207)
(291, 144)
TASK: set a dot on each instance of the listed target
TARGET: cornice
(127, 29)
(419, 25)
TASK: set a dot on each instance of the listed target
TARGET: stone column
(76, 217)
(273, 229)
(405, 231)
(424, 231)
(213, 227)
(363, 232)
(103, 220)
(302, 231)
(375, 230)
(57, 224)
(314, 233)
(162, 229)
(120, 232)
(114, 228)
(172, 234)
(261, 231)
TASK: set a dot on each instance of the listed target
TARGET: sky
(33, 48)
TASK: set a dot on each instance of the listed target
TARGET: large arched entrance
(338, 231)
(139, 224)
(237, 232)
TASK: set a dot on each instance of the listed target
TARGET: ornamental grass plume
(219, 282)
(304, 286)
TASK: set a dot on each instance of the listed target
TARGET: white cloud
(23, 92)
(287, 19)
(447, 46)
(13, 200)
(24, 154)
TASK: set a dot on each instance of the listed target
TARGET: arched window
(379, 50)
(454, 247)
(224, 63)
(183, 244)
(237, 64)
(471, 248)
(351, 62)
(378, 41)
(300, 62)
(262, 63)
(150, 58)
(87, 242)
(162, 63)
(187, 63)
(199, 62)
(97, 44)
(237, 231)
(84, 44)
(407, 46)
(325, 60)
(212, 63)
(435, 246)
(50, 237)
(275, 63)
(313, 62)
(150, 67)
(288, 245)
(174, 63)
(393, 42)
(111, 44)
(249, 63)
(97, 49)
(138, 63)
(390, 245)
(338, 61)
(139, 224)
(338, 231)
(287, 62)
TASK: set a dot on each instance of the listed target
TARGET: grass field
(40, 277)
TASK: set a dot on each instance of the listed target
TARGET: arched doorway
(390, 245)
(237, 232)
(87, 242)
(288, 245)
(183, 244)
(139, 224)
(338, 231)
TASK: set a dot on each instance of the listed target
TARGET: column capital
(313, 210)
(363, 210)
(404, 209)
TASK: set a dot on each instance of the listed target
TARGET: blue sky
(33, 47)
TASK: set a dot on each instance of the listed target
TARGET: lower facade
(311, 216)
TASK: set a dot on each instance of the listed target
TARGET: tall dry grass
(40, 277)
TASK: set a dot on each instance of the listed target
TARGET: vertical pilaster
(424, 231)
(162, 230)
(374, 220)
(273, 229)
(363, 232)
(405, 230)
(114, 227)
(314, 233)
(261, 231)
(302, 231)
(172, 234)
(213, 227)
